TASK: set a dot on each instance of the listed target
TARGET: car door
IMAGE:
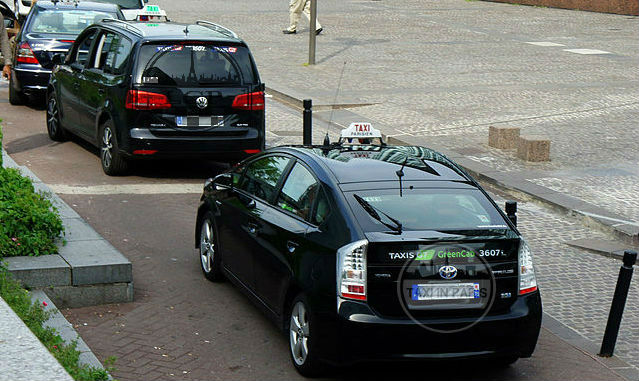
(69, 80)
(242, 212)
(281, 236)
(104, 72)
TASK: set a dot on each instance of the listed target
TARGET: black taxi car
(50, 29)
(158, 90)
(366, 252)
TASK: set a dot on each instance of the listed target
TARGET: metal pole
(618, 304)
(308, 122)
(312, 36)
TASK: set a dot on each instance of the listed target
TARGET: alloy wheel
(207, 246)
(299, 333)
(53, 122)
(106, 150)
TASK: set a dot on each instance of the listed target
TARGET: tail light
(252, 151)
(25, 54)
(351, 270)
(527, 279)
(144, 100)
(252, 101)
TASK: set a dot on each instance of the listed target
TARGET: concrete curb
(87, 271)
(66, 331)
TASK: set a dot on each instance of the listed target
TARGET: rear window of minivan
(195, 65)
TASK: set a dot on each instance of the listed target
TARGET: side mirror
(223, 181)
(58, 58)
(511, 211)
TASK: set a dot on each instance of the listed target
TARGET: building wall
(623, 7)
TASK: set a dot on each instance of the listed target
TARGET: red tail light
(145, 151)
(144, 100)
(25, 54)
(252, 151)
(252, 101)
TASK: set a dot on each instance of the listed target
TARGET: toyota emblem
(448, 272)
(202, 102)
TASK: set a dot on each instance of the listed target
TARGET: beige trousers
(296, 8)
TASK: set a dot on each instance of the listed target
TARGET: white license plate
(199, 121)
(448, 291)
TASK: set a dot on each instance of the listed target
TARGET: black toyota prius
(372, 252)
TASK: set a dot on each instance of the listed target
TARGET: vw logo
(448, 272)
(202, 102)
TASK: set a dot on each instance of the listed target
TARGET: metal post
(511, 211)
(312, 36)
(308, 122)
(618, 304)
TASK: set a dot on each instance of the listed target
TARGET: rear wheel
(113, 164)
(302, 337)
(16, 97)
(210, 259)
(54, 128)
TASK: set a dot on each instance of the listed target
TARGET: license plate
(199, 121)
(449, 291)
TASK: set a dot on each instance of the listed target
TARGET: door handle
(291, 246)
(101, 91)
(252, 228)
(251, 204)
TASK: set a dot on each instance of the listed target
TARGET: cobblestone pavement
(439, 73)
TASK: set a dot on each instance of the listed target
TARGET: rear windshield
(65, 21)
(125, 4)
(427, 209)
(192, 65)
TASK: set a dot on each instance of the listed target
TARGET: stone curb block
(87, 271)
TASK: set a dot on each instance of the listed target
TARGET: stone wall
(623, 7)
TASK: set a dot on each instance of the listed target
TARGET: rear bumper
(221, 147)
(31, 80)
(359, 335)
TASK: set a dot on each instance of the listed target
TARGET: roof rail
(217, 28)
(126, 25)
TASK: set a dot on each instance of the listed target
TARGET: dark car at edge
(49, 29)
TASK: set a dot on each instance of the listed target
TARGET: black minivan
(165, 90)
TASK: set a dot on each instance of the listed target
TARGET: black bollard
(308, 122)
(618, 304)
(511, 211)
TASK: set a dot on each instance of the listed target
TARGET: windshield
(65, 21)
(428, 209)
(195, 65)
(124, 4)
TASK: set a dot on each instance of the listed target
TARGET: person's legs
(295, 12)
(307, 13)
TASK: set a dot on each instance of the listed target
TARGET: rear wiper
(374, 212)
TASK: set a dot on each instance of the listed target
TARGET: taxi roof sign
(360, 130)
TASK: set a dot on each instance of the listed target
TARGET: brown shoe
(286, 31)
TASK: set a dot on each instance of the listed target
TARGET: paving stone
(96, 262)
(503, 137)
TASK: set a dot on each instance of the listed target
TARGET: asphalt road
(181, 326)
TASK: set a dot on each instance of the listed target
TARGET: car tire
(302, 333)
(210, 256)
(16, 97)
(113, 164)
(54, 127)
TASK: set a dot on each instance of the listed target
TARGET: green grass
(34, 316)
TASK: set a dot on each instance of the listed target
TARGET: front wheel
(302, 337)
(113, 164)
(210, 260)
(54, 128)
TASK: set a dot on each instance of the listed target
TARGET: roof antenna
(327, 140)
(400, 174)
(186, 30)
